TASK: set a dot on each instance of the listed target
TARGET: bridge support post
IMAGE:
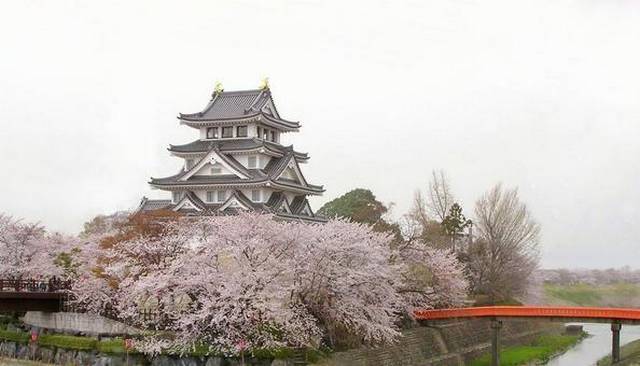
(615, 342)
(495, 342)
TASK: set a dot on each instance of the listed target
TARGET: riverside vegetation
(582, 294)
(540, 350)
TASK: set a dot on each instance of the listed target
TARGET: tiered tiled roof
(240, 105)
(255, 177)
(273, 205)
(236, 145)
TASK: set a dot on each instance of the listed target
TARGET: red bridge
(615, 316)
(19, 295)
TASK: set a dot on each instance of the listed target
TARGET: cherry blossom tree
(27, 250)
(432, 278)
(253, 281)
(19, 244)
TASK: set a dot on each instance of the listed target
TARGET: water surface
(598, 345)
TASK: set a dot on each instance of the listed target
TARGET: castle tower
(238, 162)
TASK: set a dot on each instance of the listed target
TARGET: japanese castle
(238, 162)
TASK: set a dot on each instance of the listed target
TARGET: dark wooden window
(273, 136)
(227, 132)
(222, 195)
(212, 132)
(241, 131)
(259, 129)
(255, 195)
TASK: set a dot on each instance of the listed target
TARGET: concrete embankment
(452, 344)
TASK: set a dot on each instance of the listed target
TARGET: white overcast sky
(543, 95)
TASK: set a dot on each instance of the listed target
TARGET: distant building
(238, 162)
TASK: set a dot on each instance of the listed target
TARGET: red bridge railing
(530, 312)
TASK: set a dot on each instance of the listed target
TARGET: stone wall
(59, 356)
(452, 344)
(77, 323)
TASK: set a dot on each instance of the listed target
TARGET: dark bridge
(615, 316)
(18, 295)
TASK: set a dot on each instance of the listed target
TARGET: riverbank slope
(629, 354)
(452, 344)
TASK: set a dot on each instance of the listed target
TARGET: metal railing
(34, 285)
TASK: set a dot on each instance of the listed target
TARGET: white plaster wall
(264, 195)
(264, 160)
(289, 174)
(290, 196)
(202, 195)
(244, 159)
(77, 322)
(206, 170)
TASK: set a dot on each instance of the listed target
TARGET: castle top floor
(240, 114)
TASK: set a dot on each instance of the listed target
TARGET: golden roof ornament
(264, 84)
(219, 88)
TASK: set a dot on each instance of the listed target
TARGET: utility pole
(496, 325)
(615, 342)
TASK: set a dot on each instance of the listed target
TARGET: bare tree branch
(439, 195)
(506, 255)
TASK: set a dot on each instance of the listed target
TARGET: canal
(596, 346)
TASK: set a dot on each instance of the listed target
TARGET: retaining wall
(60, 356)
(452, 344)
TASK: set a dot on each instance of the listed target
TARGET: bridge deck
(31, 301)
(19, 295)
(558, 313)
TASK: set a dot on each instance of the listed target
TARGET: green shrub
(68, 342)
(113, 346)
(542, 349)
(19, 337)
(5, 320)
(200, 350)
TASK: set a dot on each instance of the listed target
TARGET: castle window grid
(227, 132)
(212, 133)
(255, 195)
(242, 131)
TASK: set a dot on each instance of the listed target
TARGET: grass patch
(615, 295)
(113, 346)
(68, 342)
(18, 337)
(542, 349)
(580, 294)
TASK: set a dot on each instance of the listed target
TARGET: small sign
(128, 343)
(34, 336)
(242, 345)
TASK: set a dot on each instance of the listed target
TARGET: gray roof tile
(200, 146)
(240, 104)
